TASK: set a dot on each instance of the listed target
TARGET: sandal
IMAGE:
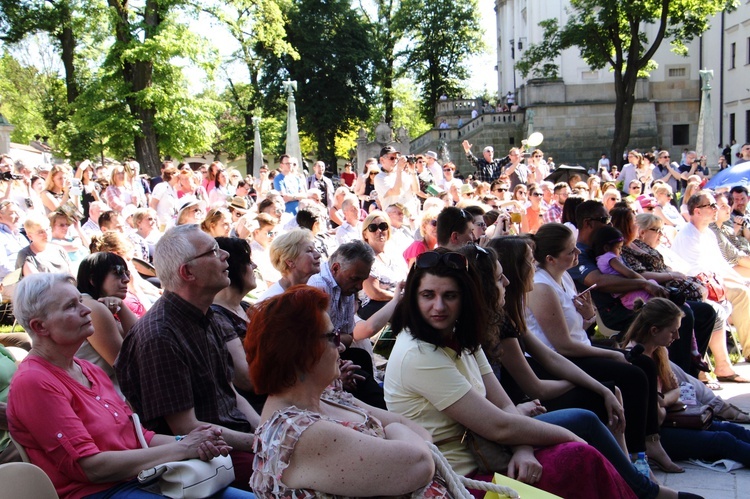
(734, 414)
(732, 378)
(712, 385)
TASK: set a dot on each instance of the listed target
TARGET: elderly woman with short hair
(294, 255)
(40, 255)
(66, 414)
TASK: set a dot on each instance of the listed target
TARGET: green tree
(148, 42)
(28, 97)
(610, 33)
(333, 72)
(258, 27)
(443, 34)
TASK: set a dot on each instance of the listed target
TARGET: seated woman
(263, 232)
(568, 386)
(66, 414)
(438, 376)
(230, 312)
(142, 293)
(40, 255)
(558, 316)
(103, 282)
(76, 246)
(428, 231)
(314, 442)
(294, 255)
(655, 327)
(218, 222)
(708, 315)
(387, 270)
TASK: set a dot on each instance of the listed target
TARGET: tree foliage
(610, 33)
(443, 35)
(333, 72)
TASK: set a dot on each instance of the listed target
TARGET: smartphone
(586, 290)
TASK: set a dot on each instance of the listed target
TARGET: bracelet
(179, 437)
(590, 318)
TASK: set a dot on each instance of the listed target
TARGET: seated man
(698, 246)
(174, 365)
(699, 317)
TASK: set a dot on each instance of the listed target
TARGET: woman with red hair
(383, 454)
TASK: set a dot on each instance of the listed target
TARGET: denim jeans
(132, 490)
(586, 425)
(720, 441)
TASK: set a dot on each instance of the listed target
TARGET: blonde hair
(372, 216)
(287, 247)
(112, 242)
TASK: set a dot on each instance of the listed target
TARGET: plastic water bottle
(641, 464)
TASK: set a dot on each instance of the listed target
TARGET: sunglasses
(334, 337)
(120, 271)
(382, 226)
(451, 260)
(500, 189)
(605, 220)
(658, 231)
(447, 169)
(537, 194)
(713, 206)
(433, 223)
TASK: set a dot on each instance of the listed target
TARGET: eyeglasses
(120, 271)
(372, 174)
(713, 206)
(392, 158)
(658, 230)
(451, 260)
(537, 155)
(537, 194)
(433, 223)
(500, 189)
(605, 220)
(213, 251)
(334, 337)
(636, 187)
(271, 233)
(382, 226)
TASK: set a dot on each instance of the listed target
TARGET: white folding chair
(25, 481)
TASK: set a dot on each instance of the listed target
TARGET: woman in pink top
(66, 414)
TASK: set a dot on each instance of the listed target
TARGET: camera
(10, 176)
(411, 159)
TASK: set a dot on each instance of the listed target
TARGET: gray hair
(32, 296)
(646, 221)
(172, 251)
(353, 251)
(288, 246)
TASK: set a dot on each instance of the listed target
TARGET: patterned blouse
(276, 438)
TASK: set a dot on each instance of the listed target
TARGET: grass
(10, 329)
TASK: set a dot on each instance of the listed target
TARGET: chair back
(25, 481)
(21, 450)
(603, 329)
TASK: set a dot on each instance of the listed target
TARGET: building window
(590, 75)
(732, 127)
(680, 135)
(677, 72)
(732, 55)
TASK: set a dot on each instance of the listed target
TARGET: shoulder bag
(188, 479)
(694, 417)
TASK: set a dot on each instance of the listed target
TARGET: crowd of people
(237, 316)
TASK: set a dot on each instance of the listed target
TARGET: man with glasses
(174, 364)
(395, 184)
(455, 228)
(342, 278)
(591, 215)
(666, 172)
(698, 246)
(487, 168)
(431, 161)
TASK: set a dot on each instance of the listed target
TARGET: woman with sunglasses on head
(103, 282)
(315, 441)
(388, 269)
(439, 377)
